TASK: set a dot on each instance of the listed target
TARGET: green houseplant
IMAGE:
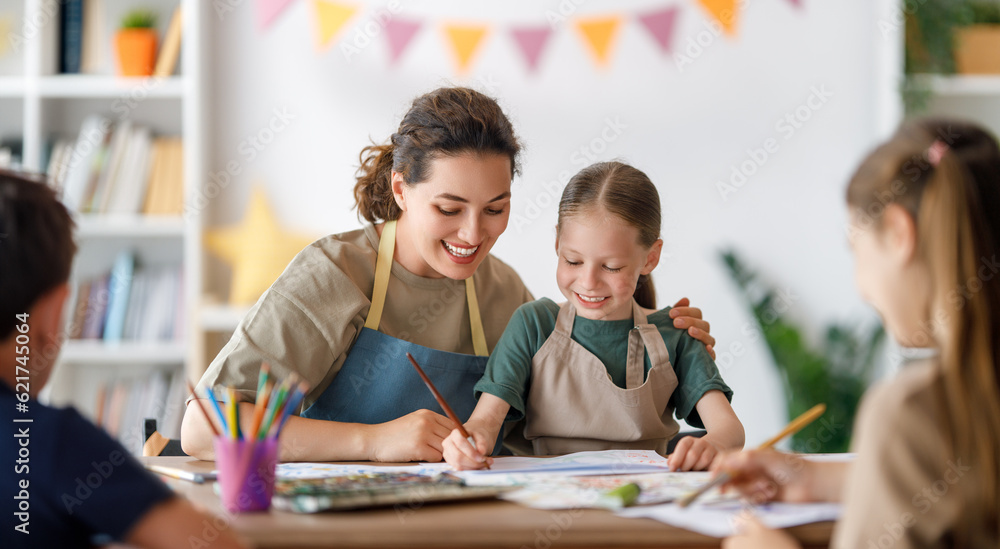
(136, 43)
(836, 374)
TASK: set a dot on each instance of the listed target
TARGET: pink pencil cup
(246, 472)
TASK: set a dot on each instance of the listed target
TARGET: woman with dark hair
(417, 278)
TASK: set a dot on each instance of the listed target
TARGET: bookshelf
(38, 106)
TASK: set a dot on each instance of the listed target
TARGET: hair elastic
(936, 151)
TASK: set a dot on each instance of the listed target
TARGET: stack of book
(123, 404)
(130, 304)
(118, 169)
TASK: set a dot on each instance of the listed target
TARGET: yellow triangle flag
(330, 18)
(725, 12)
(465, 41)
(599, 33)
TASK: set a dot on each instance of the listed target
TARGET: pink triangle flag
(660, 24)
(532, 41)
(399, 33)
(269, 10)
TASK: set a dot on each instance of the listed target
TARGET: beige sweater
(906, 488)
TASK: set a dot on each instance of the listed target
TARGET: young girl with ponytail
(925, 226)
(605, 369)
(417, 278)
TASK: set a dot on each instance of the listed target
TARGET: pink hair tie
(936, 151)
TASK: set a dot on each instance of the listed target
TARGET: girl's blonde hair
(628, 194)
(946, 174)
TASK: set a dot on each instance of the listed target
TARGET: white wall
(686, 128)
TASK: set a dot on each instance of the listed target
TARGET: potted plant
(136, 43)
(836, 374)
(977, 43)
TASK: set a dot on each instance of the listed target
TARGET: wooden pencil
(444, 404)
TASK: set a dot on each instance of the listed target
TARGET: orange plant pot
(136, 51)
(977, 49)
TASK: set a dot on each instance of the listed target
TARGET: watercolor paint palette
(373, 489)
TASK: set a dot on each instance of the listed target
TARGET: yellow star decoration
(257, 249)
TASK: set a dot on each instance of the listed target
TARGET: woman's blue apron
(377, 383)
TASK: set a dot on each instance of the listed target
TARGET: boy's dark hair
(36, 245)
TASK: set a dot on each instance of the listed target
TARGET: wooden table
(491, 523)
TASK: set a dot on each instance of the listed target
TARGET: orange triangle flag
(330, 18)
(465, 41)
(725, 12)
(599, 33)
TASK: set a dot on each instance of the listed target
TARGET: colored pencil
(276, 404)
(795, 426)
(444, 405)
(218, 409)
(298, 393)
(201, 407)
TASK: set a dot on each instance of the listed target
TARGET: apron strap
(643, 335)
(478, 334)
(564, 322)
(383, 267)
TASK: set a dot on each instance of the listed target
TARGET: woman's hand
(754, 535)
(766, 475)
(417, 436)
(460, 454)
(687, 317)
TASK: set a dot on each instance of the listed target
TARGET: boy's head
(36, 253)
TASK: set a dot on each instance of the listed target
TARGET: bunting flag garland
(399, 32)
(599, 33)
(269, 10)
(330, 18)
(531, 41)
(464, 41)
(724, 12)
(660, 24)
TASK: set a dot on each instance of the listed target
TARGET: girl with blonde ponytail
(925, 226)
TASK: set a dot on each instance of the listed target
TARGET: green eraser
(622, 496)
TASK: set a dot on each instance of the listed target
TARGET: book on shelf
(166, 61)
(70, 36)
(130, 303)
(119, 169)
(123, 405)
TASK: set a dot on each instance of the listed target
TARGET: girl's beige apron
(574, 406)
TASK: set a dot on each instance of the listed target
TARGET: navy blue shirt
(64, 482)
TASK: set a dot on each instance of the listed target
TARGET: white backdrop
(828, 65)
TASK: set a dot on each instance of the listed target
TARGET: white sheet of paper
(718, 519)
(327, 470)
(605, 462)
